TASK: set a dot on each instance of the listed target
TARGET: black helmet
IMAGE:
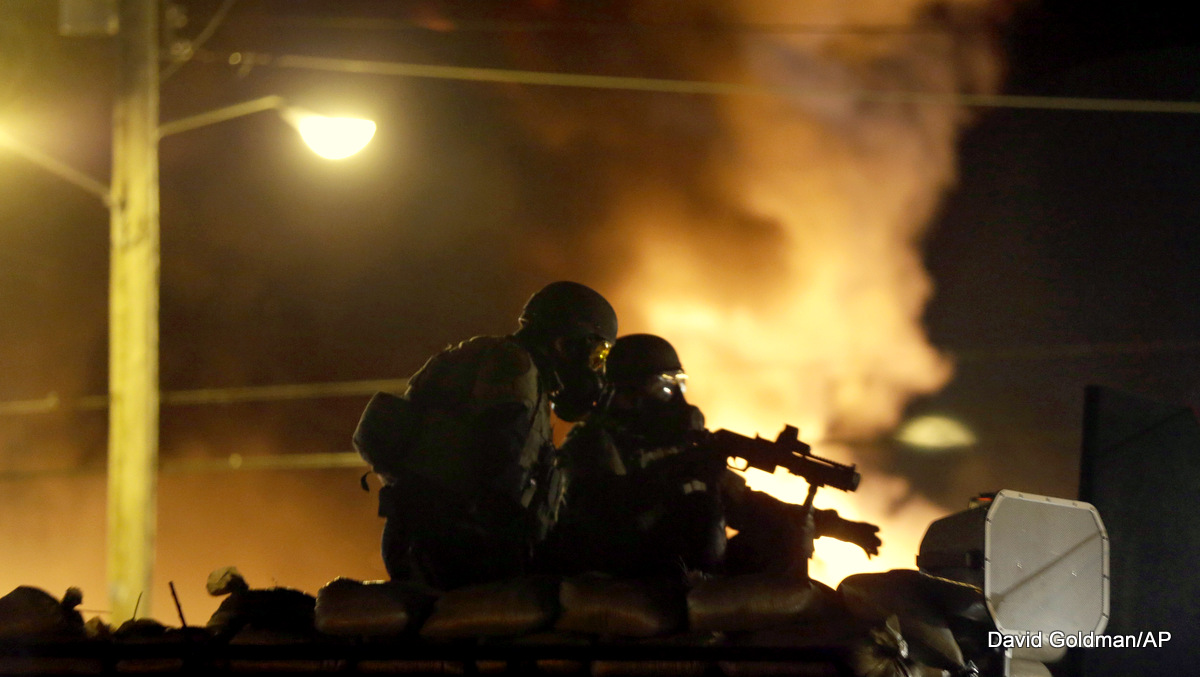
(570, 309)
(658, 411)
(637, 356)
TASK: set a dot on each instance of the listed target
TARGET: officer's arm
(505, 399)
(744, 505)
(863, 534)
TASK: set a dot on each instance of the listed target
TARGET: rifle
(787, 451)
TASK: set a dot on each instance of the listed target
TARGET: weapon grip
(812, 493)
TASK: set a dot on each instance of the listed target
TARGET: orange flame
(810, 314)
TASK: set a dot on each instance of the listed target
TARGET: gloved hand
(863, 534)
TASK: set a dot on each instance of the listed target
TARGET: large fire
(793, 288)
(773, 240)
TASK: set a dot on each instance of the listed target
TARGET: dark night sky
(1063, 257)
(1073, 230)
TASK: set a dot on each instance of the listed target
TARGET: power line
(350, 459)
(313, 461)
(670, 86)
(452, 26)
(1075, 351)
(302, 391)
(233, 462)
(274, 393)
(187, 48)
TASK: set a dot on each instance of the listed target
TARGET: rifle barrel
(789, 453)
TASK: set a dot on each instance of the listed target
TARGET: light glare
(936, 433)
(335, 138)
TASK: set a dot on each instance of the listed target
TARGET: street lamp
(132, 200)
(333, 138)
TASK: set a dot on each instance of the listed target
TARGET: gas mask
(656, 408)
(579, 369)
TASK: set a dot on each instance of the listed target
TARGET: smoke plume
(775, 240)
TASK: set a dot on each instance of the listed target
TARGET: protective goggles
(666, 386)
(598, 355)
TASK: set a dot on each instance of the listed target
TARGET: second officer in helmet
(649, 494)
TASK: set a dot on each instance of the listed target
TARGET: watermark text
(1058, 639)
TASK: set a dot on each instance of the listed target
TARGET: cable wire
(302, 391)
(1074, 351)
(234, 462)
(543, 78)
(451, 26)
(196, 43)
(273, 393)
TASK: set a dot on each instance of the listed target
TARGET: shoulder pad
(506, 372)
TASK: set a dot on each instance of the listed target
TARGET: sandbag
(269, 616)
(224, 581)
(923, 605)
(29, 613)
(170, 643)
(409, 667)
(552, 638)
(826, 629)
(606, 668)
(95, 628)
(754, 602)
(834, 633)
(601, 605)
(818, 668)
(502, 609)
(902, 588)
(932, 644)
(143, 630)
(678, 667)
(350, 608)
(882, 652)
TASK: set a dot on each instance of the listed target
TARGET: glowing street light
(331, 138)
(132, 201)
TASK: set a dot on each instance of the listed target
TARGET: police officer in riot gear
(647, 493)
(568, 329)
(466, 454)
(647, 391)
(637, 499)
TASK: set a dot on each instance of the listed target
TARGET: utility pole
(133, 315)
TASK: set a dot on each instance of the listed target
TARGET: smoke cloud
(774, 240)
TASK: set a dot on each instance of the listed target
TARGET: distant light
(335, 138)
(936, 433)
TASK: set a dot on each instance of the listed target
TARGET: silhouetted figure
(649, 493)
(467, 455)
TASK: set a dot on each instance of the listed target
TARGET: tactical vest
(438, 432)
